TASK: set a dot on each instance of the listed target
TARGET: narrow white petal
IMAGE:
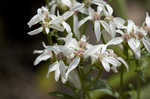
(97, 30)
(77, 7)
(67, 14)
(106, 26)
(146, 43)
(67, 3)
(84, 20)
(114, 69)
(75, 25)
(99, 9)
(105, 65)
(42, 57)
(147, 19)
(57, 73)
(120, 32)
(115, 41)
(36, 31)
(84, 11)
(47, 30)
(130, 26)
(52, 68)
(109, 8)
(52, 16)
(135, 46)
(113, 61)
(67, 27)
(123, 61)
(112, 26)
(57, 27)
(38, 51)
(53, 9)
(119, 22)
(63, 71)
(35, 19)
(73, 65)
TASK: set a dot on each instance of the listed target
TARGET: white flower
(108, 11)
(61, 20)
(43, 16)
(95, 16)
(45, 54)
(107, 57)
(134, 35)
(73, 47)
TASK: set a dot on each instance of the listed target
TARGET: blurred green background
(19, 79)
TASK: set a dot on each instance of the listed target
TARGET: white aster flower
(134, 35)
(73, 47)
(44, 17)
(107, 57)
(45, 54)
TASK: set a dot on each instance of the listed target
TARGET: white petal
(66, 26)
(57, 73)
(112, 27)
(42, 57)
(119, 22)
(115, 41)
(105, 65)
(67, 3)
(47, 30)
(67, 14)
(52, 68)
(130, 26)
(52, 16)
(38, 51)
(123, 61)
(72, 65)
(146, 43)
(77, 7)
(97, 30)
(106, 26)
(63, 71)
(147, 20)
(113, 61)
(109, 8)
(120, 32)
(35, 19)
(36, 31)
(75, 25)
(57, 27)
(53, 9)
(84, 20)
(84, 11)
(83, 38)
(135, 46)
(114, 69)
(99, 10)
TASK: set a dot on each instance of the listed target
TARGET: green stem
(121, 83)
(138, 79)
(138, 88)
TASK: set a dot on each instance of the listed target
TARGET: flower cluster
(67, 57)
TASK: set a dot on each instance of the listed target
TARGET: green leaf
(61, 95)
